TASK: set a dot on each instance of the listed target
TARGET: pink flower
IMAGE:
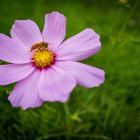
(44, 67)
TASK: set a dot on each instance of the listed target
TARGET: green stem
(67, 113)
(127, 18)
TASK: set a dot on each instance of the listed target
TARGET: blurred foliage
(110, 112)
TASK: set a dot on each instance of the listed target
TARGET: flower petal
(86, 76)
(55, 85)
(25, 93)
(13, 51)
(11, 73)
(27, 32)
(80, 46)
(54, 29)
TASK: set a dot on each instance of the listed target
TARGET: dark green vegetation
(110, 112)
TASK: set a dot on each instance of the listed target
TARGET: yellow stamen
(43, 57)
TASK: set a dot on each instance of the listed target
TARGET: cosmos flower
(44, 66)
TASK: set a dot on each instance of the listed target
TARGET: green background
(109, 112)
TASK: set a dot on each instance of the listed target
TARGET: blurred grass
(110, 112)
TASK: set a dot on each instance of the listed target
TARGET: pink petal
(86, 76)
(80, 46)
(27, 32)
(11, 73)
(25, 94)
(55, 85)
(13, 51)
(54, 29)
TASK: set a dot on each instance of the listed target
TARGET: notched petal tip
(17, 24)
(26, 32)
(24, 107)
(27, 108)
(96, 37)
(60, 99)
(93, 32)
(102, 78)
(55, 13)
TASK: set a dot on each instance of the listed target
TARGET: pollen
(42, 56)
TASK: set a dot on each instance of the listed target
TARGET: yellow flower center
(42, 56)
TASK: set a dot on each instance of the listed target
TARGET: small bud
(123, 1)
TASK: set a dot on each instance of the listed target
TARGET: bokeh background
(109, 112)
